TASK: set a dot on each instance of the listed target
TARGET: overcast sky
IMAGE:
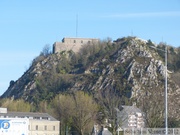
(26, 26)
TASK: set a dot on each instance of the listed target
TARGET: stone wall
(73, 44)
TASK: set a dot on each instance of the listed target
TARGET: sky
(26, 26)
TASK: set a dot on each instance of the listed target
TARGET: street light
(166, 97)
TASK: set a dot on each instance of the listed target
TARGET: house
(37, 123)
(130, 117)
(105, 132)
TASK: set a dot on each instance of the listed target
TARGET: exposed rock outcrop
(133, 68)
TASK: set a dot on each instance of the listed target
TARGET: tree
(77, 111)
(110, 101)
(173, 123)
(49, 84)
(62, 105)
(152, 104)
(44, 107)
(46, 50)
(16, 105)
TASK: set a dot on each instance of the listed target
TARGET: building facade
(130, 117)
(38, 123)
(73, 44)
(135, 120)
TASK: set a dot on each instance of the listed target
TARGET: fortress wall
(80, 41)
(73, 44)
(59, 47)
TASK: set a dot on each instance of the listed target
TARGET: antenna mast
(76, 25)
(131, 33)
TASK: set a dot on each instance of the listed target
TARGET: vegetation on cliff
(109, 74)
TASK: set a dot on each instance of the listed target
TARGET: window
(74, 41)
(45, 127)
(81, 41)
(36, 118)
(54, 128)
(45, 118)
(36, 127)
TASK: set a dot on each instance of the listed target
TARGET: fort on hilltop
(73, 44)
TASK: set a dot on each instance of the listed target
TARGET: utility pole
(165, 87)
(166, 97)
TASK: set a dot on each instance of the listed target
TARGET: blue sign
(4, 124)
(14, 126)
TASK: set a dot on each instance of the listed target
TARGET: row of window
(36, 118)
(44, 134)
(82, 42)
(45, 127)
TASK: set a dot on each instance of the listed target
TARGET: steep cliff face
(132, 67)
(26, 85)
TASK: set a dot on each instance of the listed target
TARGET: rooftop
(29, 115)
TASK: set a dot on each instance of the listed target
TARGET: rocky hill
(128, 65)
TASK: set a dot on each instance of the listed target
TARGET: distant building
(135, 120)
(73, 44)
(105, 132)
(100, 131)
(130, 117)
(3, 110)
(38, 123)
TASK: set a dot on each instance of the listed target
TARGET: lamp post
(166, 96)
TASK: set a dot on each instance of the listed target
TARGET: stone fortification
(73, 44)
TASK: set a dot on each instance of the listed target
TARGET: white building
(38, 123)
(130, 117)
